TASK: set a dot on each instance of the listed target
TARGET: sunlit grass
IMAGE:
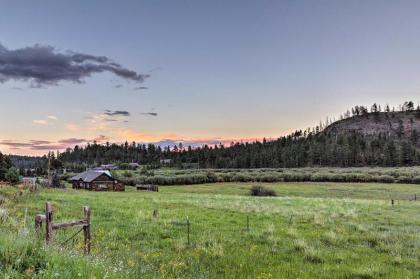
(309, 231)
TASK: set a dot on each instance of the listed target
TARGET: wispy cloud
(149, 113)
(48, 121)
(101, 138)
(40, 121)
(72, 127)
(116, 113)
(72, 141)
(45, 66)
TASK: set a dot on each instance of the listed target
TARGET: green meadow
(311, 230)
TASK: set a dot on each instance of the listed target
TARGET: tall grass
(23, 253)
(300, 236)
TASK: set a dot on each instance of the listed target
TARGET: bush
(242, 178)
(128, 174)
(212, 177)
(268, 178)
(416, 180)
(12, 175)
(385, 179)
(144, 171)
(261, 191)
(404, 179)
(56, 182)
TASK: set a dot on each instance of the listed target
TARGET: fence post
(188, 230)
(86, 230)
(49, 222)
(39, 218)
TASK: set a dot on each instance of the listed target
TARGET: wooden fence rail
(148, 187)
(50, 226)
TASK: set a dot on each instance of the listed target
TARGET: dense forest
(362, 137)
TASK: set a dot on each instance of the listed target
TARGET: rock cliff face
(398, 125)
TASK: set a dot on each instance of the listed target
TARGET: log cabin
(94, 180)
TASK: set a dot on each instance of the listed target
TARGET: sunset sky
(196, 71)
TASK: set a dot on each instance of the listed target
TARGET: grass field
(311, 230)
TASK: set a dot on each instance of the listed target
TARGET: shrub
(416, 180)
(385, 179)
(144, 171)
(56, 182)
(404, 179)
(268, 178)
(242, 178)
(226, 177)
(12, 175)
(261, 191)
(211, 177)
(128, 174)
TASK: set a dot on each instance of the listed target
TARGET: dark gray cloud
(116, 112)
(118, 86)
(44, 66)
(49, 145)
(13, 144)
(141, 88)
(149, 113)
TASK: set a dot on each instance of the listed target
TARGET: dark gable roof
(89, 176)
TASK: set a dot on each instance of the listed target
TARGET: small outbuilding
(95, 180)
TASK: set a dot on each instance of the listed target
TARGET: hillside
(396, 125)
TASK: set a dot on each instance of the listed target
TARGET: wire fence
(184, 230)
(193, 230)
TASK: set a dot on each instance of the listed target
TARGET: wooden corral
(148, 187)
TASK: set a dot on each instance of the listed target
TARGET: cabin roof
(89, 176)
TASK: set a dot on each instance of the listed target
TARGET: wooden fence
(148, 187)
(50, 226)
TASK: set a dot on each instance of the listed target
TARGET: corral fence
(50, 226)
(147, 187)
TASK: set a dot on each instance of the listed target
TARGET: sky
(72, 72)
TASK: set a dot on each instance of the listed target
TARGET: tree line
(304, 148)
(316, 146)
